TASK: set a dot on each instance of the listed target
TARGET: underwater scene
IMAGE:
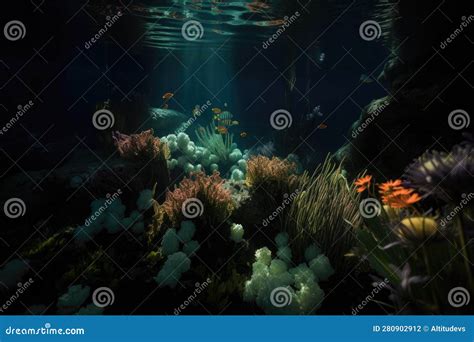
(258, 157)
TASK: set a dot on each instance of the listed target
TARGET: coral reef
(140, 147)
(174, 267)
(278, 288)
(215, 200)
(192, 158)
(109, 214)
(269, 172)
(149, 155)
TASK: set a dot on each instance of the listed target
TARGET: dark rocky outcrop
(430, 75)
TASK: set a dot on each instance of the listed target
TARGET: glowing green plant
(218, 144)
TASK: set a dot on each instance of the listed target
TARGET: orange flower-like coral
(396, 196)
(199, 195)
(363, 183)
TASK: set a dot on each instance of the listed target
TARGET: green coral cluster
(278, 288)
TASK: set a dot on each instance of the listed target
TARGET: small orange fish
(167, 96)
(243, 134)
(222, 129)
(216, 110)
(322, 126)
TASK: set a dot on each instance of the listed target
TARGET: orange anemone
(363, 183)
(390, 186)
(397, 196)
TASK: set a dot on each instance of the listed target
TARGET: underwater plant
(446, 176)
(140, 147)
(325, 211)
(219, 144)
(395, 195)
(363, 183)
(421, 259)
(269, 172)
(150, 155)
(216, 200)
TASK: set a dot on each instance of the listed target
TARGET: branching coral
(140, 147)
(262, 170)
(219, 145)
(208, 192)
(151, 155)
(326, 209)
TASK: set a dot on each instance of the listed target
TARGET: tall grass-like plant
(218, 144)
(325, 212)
